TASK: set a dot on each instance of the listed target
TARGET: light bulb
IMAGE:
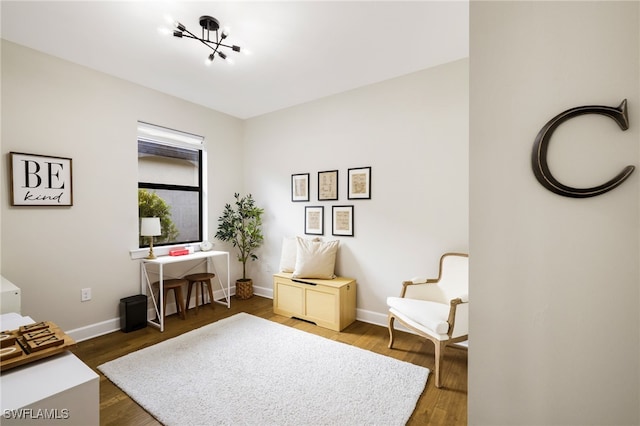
(169, 19)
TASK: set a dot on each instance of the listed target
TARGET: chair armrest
(416, 281)
(464, 298)
(453, 309)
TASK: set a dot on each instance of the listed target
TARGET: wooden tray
(30, 346)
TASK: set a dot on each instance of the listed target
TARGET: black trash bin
(133, 313)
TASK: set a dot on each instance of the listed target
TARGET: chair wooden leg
(439, 349)
(208, 284)
(182, 305)
(165, 293)
(391, 336)
(189, 288)
(198, 293)
(177, 292)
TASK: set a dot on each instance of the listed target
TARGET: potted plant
(240, 225)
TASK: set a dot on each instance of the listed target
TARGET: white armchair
(437, 309)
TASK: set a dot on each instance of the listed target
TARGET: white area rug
(245, 370)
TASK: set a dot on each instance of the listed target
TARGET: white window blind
(168, 136)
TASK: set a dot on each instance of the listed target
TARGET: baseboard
(94, 330)
(109, 326)
(371, 317)
(377, 318)
(262, 291)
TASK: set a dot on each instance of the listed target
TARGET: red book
(178, 252)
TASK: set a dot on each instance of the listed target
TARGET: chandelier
(209, 25)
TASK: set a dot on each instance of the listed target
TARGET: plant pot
(244, 288)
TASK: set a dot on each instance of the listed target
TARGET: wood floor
(444, 406)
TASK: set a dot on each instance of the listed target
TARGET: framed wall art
(342, 221)
(300, 187)
(328, 185)
(314, 220)
(40, 180)
(359, 183)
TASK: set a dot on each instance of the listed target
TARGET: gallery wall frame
(328, 185)
(314, 220)
(300, 187)
(342, 221)
(40, 180)
(359, 183)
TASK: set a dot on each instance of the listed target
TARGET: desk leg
(161, 298)
(144, 280)
(228, 283)
(145, 283)
(227, 293)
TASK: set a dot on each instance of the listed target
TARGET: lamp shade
(150, 227)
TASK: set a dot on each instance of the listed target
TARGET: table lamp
(150, 227)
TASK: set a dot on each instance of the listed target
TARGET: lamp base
(151, 255)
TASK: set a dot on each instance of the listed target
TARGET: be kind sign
(38, 180)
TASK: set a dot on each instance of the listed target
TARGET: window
(171, 182)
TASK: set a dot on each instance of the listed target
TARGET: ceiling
(299, 50)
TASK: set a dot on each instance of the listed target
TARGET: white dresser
(10, 299)
(60, 390)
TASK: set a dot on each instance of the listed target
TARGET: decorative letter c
(540, 146)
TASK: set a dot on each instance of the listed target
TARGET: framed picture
(314, 220)
(359, 183)
(328, 185)
(300, 187)
(342, 223)
(40, 180)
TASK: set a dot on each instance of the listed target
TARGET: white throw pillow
(289, 250)
(288, 257)
(315, 259)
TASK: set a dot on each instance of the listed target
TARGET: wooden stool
(176, 286)
(202, 279)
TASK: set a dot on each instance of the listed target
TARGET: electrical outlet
(85, 294)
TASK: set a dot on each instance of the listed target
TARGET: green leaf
(241, 226)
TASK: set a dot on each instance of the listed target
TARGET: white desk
(204, 256)
(59, 390)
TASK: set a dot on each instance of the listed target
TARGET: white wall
(555, 324)
(413, 132)
(53, 107)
